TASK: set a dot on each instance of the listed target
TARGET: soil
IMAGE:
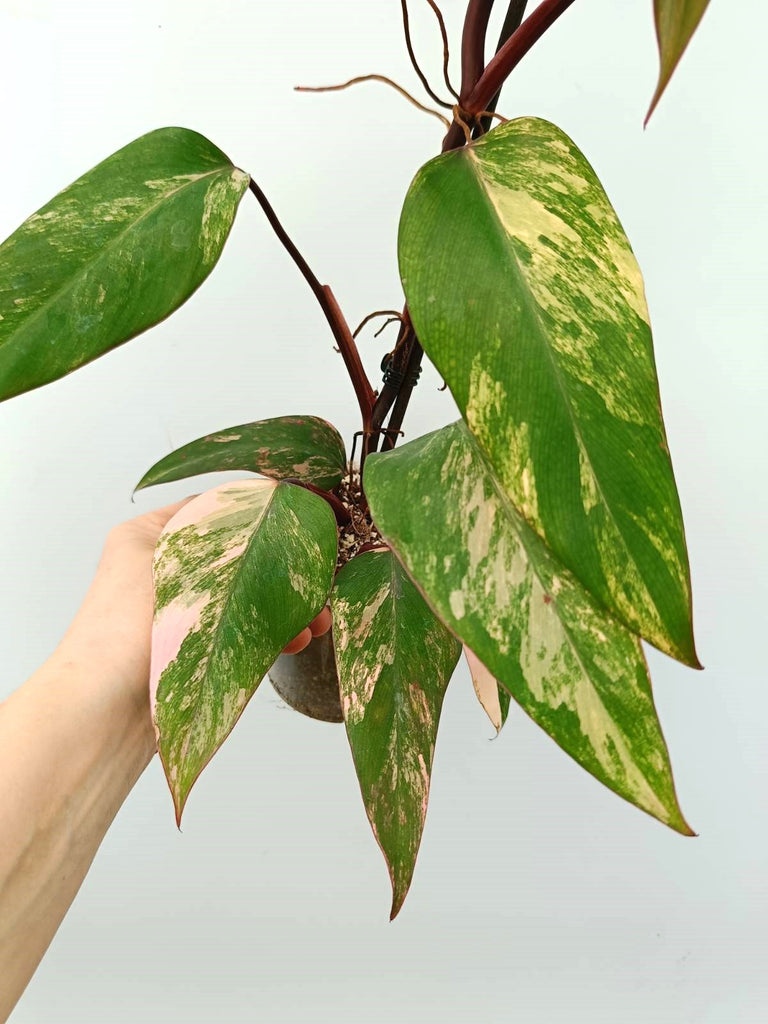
(360, 532)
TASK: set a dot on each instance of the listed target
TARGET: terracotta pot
(307, 681)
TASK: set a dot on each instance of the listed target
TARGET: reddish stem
(473, 45)
(330, 307)
(340, 510)
(512, 52)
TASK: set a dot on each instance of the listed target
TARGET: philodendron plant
(541, 532)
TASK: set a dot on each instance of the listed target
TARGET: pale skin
(74, 739)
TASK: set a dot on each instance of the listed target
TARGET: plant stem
(389, 391)
(473, 45)
(340, 510)
(514, 16)
(330, 307)
(511, 53)
(404, 394)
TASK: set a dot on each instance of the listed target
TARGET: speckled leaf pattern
(676, 21)
(489, 577)
(239, 571)
(111, 255)
(526, 295)
(394, 661)
(493, 697)
(301, 447)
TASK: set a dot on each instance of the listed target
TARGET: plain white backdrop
(539, 897)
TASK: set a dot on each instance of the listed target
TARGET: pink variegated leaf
(394, 660)
(494, 699)
(239, 571)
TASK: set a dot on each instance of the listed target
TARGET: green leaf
(394, 660)
(488, 576)
(524, 292)
(239, 572)
(493, 697)
(302, 447)
(111, 255)
(676, 21)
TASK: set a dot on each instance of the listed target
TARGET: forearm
(72, 745)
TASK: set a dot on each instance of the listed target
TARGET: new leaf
(111, 255)
(488, 576)
(525, 294)
(394, 660)
(239, 572)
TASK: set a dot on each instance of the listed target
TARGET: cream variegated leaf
(489, 577)
(493, 697)
(112, 254)
(525, 293)
(676, 21)
(304, 448)
(394, 660)
(239, 571)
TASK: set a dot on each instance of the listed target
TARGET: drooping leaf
(525, 293)
(493, 697)
(489, 577)
(302, 447)
(111, 255)
(676, 21)
(239, 571)
(394, 660)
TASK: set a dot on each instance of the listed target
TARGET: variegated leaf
(239, 571)
(525, 293)
(575, 670)
(676, 21)
(493, 697)
(112, 254)
(302, 447)
(394, 660)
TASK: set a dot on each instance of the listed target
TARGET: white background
(539, 896)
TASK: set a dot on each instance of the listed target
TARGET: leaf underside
(525, 294)
(112, 254)
(239, 571)
(488, 576)
(676, 21)
(494, 698)
(394, 661)
(305, 448)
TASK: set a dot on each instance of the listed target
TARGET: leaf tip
(398, 899)
(681, 826)
(654, 104)
(179, 803)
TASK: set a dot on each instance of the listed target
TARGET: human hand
(114, 623)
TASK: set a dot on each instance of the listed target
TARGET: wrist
(113, 711)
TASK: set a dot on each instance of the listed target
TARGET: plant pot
(308, 682)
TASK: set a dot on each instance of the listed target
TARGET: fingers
(317, 627)
(299, 642)
(321, 623)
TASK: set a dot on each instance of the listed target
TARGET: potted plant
(541, 533)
